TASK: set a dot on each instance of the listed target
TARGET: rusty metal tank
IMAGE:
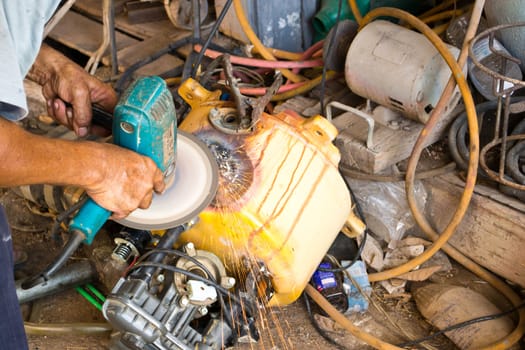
(281, 199)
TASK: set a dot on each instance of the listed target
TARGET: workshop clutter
(290, 181)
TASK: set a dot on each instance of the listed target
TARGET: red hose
(255, 62)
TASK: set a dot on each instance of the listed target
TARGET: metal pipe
(70, 276)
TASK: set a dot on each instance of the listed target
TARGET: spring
(122, 251)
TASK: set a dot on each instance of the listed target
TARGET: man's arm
(117, 179)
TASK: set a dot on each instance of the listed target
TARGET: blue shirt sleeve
(21, 28)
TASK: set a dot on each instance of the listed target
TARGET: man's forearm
(32, 159)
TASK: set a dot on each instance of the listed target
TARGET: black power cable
(207, 43)
(461, 325)
(330, 48)
(318, 328)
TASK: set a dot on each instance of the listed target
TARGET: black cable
(196, 277)
(195, 39)
(463, 324)
(318, 328)
(121, 82)
(207, 43)
(63, 216)
(361, 215)
(359, 175)
(180, 254)
(328, 54)
(228, 316)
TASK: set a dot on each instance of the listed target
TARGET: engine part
(173, 300)
(398, 68)
(281, 200)
(130, 243)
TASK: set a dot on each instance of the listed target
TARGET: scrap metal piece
(248, 110)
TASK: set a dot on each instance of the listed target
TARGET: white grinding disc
(193, 188)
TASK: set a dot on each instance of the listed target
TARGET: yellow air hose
(440, 241)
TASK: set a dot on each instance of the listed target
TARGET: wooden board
(84, 34)
(141, 30)
(492, 232)
(143, 49)
(389, 146)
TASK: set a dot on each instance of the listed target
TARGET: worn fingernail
(56, 105)
(49, 102)
(69, 113)
(82, 131)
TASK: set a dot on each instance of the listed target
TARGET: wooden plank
(135, 53)
(84, 34)
(390, 145)
(141, 30)
(492, 232)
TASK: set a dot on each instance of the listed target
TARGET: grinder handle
(89, 220)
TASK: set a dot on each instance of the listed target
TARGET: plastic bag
(385, 206)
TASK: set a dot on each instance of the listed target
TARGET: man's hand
(69, 90)
(125, 181)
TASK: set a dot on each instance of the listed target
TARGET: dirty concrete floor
(281, 328)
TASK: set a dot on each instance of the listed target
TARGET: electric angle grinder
(145, 121)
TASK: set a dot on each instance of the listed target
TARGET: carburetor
(178, 299)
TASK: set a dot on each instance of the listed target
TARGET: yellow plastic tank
(281, 200)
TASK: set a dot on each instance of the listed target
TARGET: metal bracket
(370, 121)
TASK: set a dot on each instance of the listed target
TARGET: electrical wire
(462, 324)
(318, 328)
(63, 216)
(426, 174)
(179, 254)
(355, 11)
(346, 323)
(197, 277)
(121, 82)
(328, 54)
(212, 33)
(93, 301)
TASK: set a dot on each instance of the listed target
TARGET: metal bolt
(189, 248)
(203, 310)
(229, 282)
(160, 278)
(184, 301)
